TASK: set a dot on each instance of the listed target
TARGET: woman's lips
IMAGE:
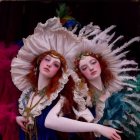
(93, 73)
(46, 69)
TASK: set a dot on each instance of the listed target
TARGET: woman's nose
(48, 65)
(91, 68)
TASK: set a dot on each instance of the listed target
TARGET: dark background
(19, 18)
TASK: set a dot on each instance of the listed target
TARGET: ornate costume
(52, 36)
(46, 37)
(121, 110)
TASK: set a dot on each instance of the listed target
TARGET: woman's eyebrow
(56, 62)
(93, 60)
(83, 65)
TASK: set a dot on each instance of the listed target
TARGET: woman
(40, 71)
(105, 70)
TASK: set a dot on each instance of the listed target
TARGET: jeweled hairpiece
(81, 55)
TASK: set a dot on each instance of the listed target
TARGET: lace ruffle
(99, 110)
(80, 93)
(49, 36)
(45, 101)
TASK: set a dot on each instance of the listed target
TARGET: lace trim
(45, 102)
(80, 93)
(99, 110)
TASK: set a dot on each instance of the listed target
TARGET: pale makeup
(48, 68)
(90, 68)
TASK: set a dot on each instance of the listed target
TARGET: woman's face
(49, 66)
(90, 67)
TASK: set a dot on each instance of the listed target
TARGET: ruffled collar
(26, 94)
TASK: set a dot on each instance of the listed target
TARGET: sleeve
(122, 112)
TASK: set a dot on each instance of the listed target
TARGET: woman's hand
(22, 121)
(109, 132)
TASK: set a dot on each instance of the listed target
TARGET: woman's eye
(84, 68)
(57, 65)
(47, 59)
(93, 62)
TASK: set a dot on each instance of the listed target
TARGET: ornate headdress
(46, 37)
(101, 43)
(52, 36)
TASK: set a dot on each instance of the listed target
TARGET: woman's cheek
(55, 70)
(86, 74)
